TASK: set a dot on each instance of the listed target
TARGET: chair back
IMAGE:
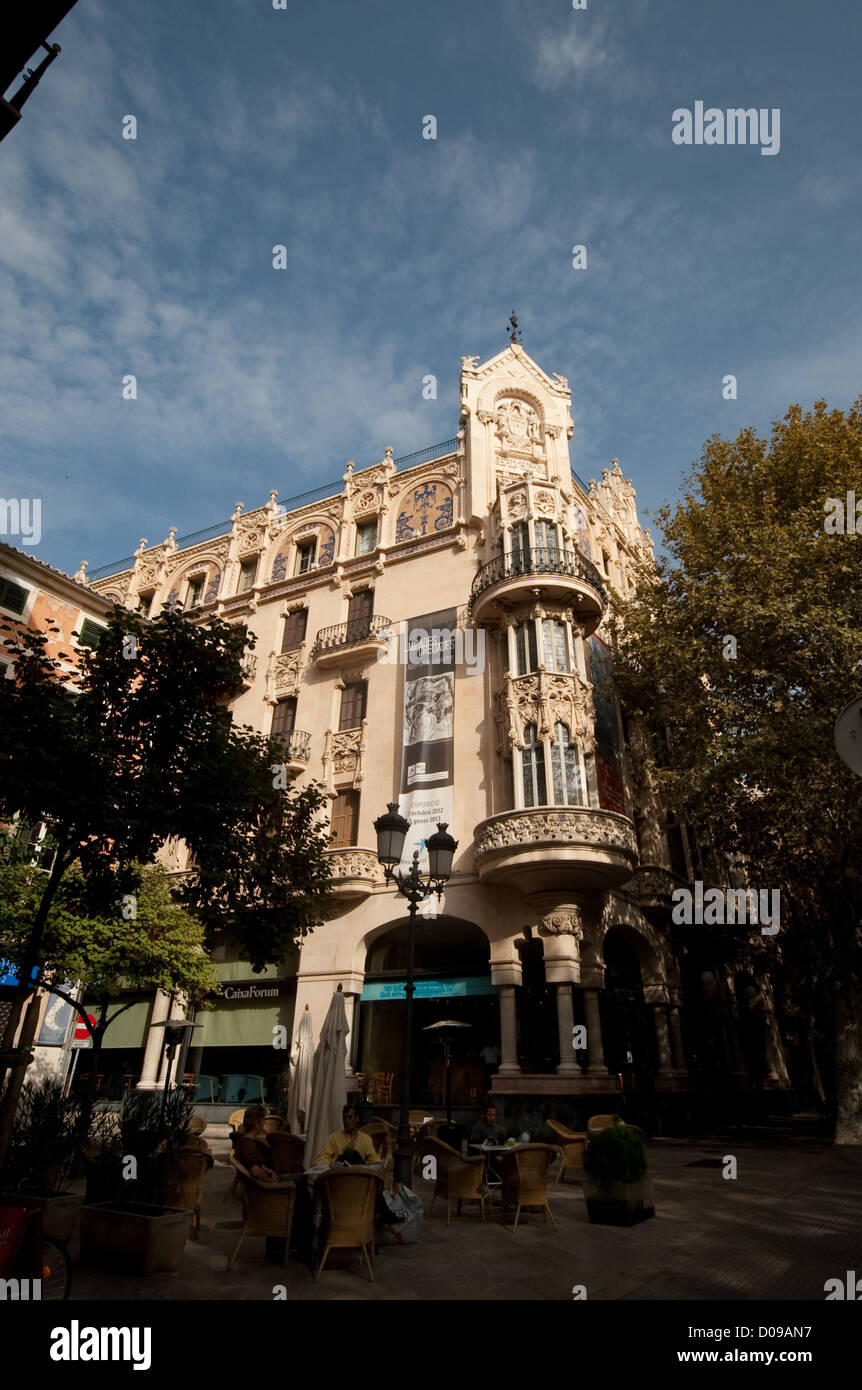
(348, 1199)
(525, 1173)
(197, 1124)
(184, 1181)
(235, 1120)
(273, 1123)
(600, 1122)
(446, 1156)
(288, 1152)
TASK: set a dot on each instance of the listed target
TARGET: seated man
(349, 1144)
(250, 1146)
(487, 1129)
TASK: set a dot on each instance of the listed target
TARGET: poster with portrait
(426, 794)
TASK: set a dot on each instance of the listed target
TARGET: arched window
(533, 765)
(555, 649)
(525, 645)
(566, 767)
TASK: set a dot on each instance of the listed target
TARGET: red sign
(81, 1033)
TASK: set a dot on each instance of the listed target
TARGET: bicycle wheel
(56, 1271)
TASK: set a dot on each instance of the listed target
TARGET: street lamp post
(391, 831)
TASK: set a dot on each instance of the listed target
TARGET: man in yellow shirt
(351, 1138)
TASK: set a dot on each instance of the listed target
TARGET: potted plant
(131, 1230)
(616, 1188)
(39, 1157)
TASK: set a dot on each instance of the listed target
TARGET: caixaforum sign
(254, 989)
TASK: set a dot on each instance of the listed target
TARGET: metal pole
(403, 1162)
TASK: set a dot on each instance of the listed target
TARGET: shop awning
(129, 1028)
(459, 987)
(245, 1022)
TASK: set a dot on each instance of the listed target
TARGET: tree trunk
(848, 1065)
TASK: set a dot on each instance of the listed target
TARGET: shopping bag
(407, 1216)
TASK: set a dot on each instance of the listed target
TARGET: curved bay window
(533, 769)
(526, 647)
(555, 647)
(553, 635)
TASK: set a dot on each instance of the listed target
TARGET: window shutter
(284, 717)
(90, 634)
(345, 819)
(12, 596)
(294, 630)
(352, 705)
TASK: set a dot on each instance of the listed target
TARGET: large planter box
(620, 1203)
(133, 1237)
(59, 1211)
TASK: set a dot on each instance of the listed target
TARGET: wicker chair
(384, 1137)
(458, 1179)
(597, 1122)
(197, 1124)
(288, 1152)
(572, 1146)
(184, 1182)
(267, 1209)
(273, 1124)
(236, 1118)
(525, 1179)
(348, 1199)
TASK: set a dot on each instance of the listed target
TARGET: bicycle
(39, 1267)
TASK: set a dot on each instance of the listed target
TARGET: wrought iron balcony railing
(537, 559)
(349, 634)
(295, 746)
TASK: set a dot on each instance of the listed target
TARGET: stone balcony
(564, 575)
(295, 751)
(556, 849)
(651, 889)
(351, 643)
(355, 873)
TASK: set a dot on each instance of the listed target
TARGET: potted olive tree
(39, 1158)
(616, 1188)
(132, 1231)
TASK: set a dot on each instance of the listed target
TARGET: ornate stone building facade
(553, 939)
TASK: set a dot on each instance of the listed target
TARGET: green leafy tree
(138, 747)
(741, 648)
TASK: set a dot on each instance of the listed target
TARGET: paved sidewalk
(791, 1220)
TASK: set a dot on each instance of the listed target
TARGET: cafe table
(485, 1148)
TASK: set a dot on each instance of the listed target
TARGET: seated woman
(250, 1146)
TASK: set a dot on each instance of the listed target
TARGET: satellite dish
(848, 735)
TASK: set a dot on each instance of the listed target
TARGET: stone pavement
(791, 1220)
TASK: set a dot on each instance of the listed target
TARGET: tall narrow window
(366, 537)
(568, 784)
(145, 602)
(247, 576)
(533, 766)
(294, 630)
(345, 819)
(352, 705)
(520, 547)
(525, 643)
(555, 652)
(546, 540)
(306, 553)
(284, 719)
(194, 592)
(359, 611)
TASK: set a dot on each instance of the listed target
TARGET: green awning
(245, 1023)
(129, 1028)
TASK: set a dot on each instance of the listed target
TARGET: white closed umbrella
(301, 1063)
(328, 1086)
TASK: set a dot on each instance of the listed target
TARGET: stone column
(511, 649)
(350, 1010)
(509, 1065)
(776, 1069)
(676, 1038)
(665, 1062)
(565, 1023)
(595, 1051)
(155, 1042)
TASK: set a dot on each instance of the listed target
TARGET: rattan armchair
(347, 1200)
(236, 1118)
(525, 1179)
(267, 1209)
(184, 1182)
(384, 1137)
(459, 1179)
(288, 1152)
(597, 1122)
(572, 1145)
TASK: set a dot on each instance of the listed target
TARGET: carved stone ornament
(517, 505)
(518, 425)
(344, 751)
(546, 503)
(563, 922)
(487, 417)
(365, 502)
(355, 863)
(284, 672)
(545, 699)
(584, 826)
(554, 431)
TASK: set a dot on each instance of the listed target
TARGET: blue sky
(304, 127)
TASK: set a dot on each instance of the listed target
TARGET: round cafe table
(485, 1148)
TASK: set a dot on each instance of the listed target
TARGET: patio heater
(444, 1031)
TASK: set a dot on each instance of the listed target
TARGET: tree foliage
(742, 647)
